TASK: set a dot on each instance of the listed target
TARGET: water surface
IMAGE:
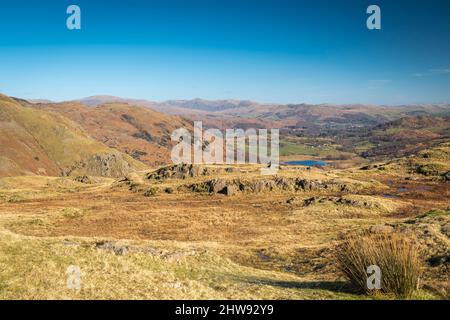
(308, 163)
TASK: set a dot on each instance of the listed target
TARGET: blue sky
(264, 50)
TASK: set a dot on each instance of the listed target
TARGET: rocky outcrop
(285, 184)
(129, 184)
(86, 179)
(230, 187)
(122, 249)
(341, 200)
(101, 165)
(217, 186)
(184, 171)
(178, 171)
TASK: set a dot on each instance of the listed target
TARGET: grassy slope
(20, 152)
(138, 131)
(59, 142)
(35, 268)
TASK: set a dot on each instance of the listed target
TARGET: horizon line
(230, 99)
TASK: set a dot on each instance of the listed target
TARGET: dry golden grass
(35, 268)
(183, 245)
(396, 255)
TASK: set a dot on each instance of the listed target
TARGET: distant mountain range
(112, 136)
(179, 107)
(286, 114)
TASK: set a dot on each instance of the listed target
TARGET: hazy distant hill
(94, 101)
(233, 112)
(40, 101)
(178, 107)
(340, 114)
(210, 105)
(37, 142)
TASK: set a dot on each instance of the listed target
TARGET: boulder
(231, 190)
(447, 176)
(218, 186)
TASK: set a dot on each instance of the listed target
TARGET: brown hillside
(140, 132)
(37, 142)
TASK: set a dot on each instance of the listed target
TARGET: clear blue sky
(269, 51)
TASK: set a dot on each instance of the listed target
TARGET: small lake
(308, 163)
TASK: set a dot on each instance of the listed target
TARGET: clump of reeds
(395, 255)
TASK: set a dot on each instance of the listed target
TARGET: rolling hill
(405, 136)
(138, 131)
(38, 142)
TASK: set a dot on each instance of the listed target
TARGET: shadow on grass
(335, 286)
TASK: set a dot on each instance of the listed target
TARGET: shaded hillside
(140, 132)
(37, 142)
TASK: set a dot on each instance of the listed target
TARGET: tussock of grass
(73, 213)
(397, 257)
